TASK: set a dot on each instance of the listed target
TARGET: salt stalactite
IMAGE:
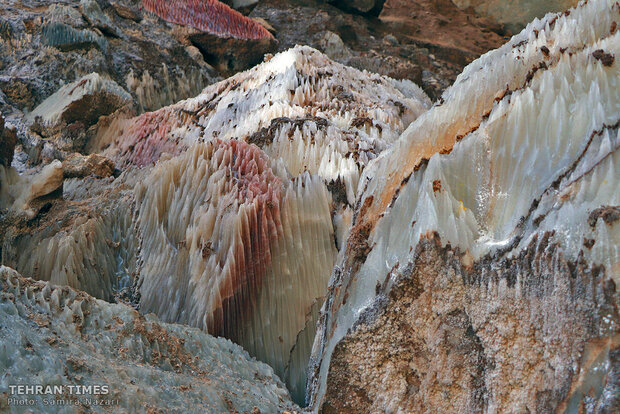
(85, 99)
(54, 332)
(232, 245)
(511, 184)
(211, 16)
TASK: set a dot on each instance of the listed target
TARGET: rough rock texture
(501, 295)
(230, 55)
(427, 42)
(62, 336)
(80, 236)
(248, 259)
(515, 14)
(84, 100)
(211, 16)
(264, 168)
(47, 44)
(77, 165)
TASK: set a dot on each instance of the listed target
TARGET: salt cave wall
(63, 336)
(501, 294)
(241, 240)
(230, 207)
(231, 245)
(515, 14)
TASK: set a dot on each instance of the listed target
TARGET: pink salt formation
(209, 15)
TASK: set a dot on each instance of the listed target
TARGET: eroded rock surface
(481, 269)
(46, 44)
(60, 335)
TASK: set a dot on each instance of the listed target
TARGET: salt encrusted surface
(58, 336)
(232, 245)
(76, 100)
(509, 192)
(236, 228)
(279, 105)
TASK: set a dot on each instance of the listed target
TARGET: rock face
(46, 44)
(84, 100)
(481, 269)
(516, 14)
(57, 334)
(231, 206)
(211, 16)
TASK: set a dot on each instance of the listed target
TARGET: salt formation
(17, 191)
(152, 94)
(239, 245)
(515, 13)
(231, 245)
(85, 99)
(211, 16)
(84, 240)
(64, 337)
(317, 115)
(485, 254)
(231, 230)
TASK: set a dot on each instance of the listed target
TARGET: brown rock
(77, 165)
(126, 12)
(607, 59)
